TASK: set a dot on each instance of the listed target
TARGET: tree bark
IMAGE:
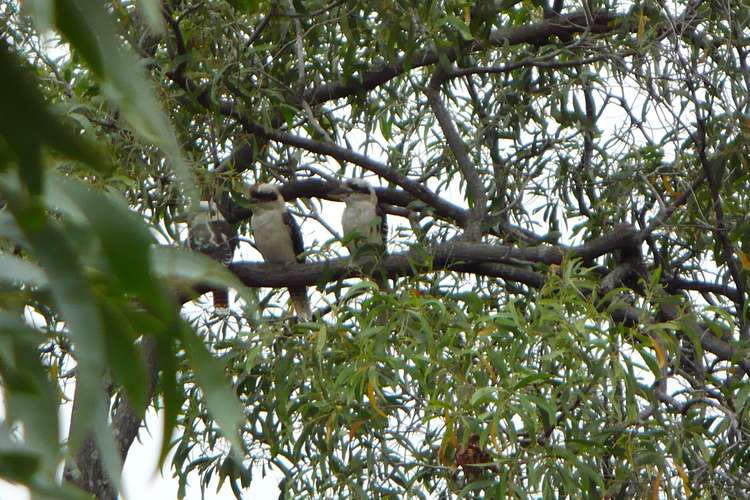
(87, 470)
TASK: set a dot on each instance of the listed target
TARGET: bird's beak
(340, 193)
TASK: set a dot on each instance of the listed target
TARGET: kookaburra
(210, 234)
(364, 223)
(363, 219)
(278, 237)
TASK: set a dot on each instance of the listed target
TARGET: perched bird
(473, 459)
(278, 237)
(363, 219)
(210, 234)
(364, 223)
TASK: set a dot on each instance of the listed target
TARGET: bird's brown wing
(226, 236)
(296, 235)
(383, 222)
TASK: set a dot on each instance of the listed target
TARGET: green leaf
(461, 26)
(28, 393)
(18, 465)
(123, 80)
(220, 398)
(650, 360)
(249, 7)
(152, 13)
(125, 240)
(196, 269)
(70, 18)
(590, 478)
(125, 359)
(74, 299)
(546, 409)
(321, 339)
(483, 395)
(27, 125)
(690, 327)
(359, 288)
(742, 396)
(473, 486)
(167, 361)
(531, 379)
(17, 270)
(42, 12)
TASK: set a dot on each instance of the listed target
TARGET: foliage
(532, 345)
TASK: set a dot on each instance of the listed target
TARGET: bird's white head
(265, 196)
(355, 190)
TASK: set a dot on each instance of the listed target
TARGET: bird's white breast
(272, 236)
(360, 216)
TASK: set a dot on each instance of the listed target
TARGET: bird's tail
(381, 280)
(221, 301)
(301, 303)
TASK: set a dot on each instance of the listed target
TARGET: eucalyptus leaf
(17, 270)
(74, 297)
(29, 398)
(193, 268)
(27, 125)
(220, 399)
(123, 80)
(152, 12)
(125, 240)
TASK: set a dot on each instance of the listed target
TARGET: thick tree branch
(317, 188)
(546, 63)
(87, 469)
(508, 263)
(703, 287)
(455, 255)
(89, 472)
(126, 420)
(477, 259)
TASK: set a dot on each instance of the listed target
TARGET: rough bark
(87, 470)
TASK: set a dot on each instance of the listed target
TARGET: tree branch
(508, 263)
(536, 63)
(126, 420)
(537, 33)
(230, 109)
(455, 255)
(664, 214)
(703, 287)
(89, 471)
(390, 198)
(477, 193)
